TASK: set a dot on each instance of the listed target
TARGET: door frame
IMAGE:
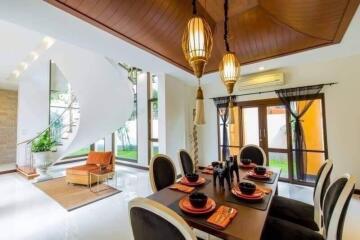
(262, 105)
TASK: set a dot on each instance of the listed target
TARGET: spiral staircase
(98, 84)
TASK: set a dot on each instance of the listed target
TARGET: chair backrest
(103, 158)
(186, 162)
(253, 152)
(162, 172)
(321, 185)
(151, 220)
(335, 205)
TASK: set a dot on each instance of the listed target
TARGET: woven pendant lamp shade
(229, 69)
(197, 44)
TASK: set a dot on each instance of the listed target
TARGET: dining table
(248, 222)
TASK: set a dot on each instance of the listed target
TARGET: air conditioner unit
(260, 80)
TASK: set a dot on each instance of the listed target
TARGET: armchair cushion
(103, 158)
(81, 170)
(293, 211)
(278, 229)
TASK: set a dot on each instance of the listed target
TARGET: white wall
(342, 112)
(176, 100)
(33, 105)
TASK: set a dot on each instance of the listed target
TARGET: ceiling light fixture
(34, 55)
(48, 41)
(16, 73)
(261, 68)
(229, 67)
(24, 65)
(197, 43)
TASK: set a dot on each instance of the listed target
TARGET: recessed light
(16, 73)
(48, 41)
(24, 65)
(34, 55)
(261, 68)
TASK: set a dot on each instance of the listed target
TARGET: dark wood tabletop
(248, 223)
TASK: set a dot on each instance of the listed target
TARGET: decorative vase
(42, 160)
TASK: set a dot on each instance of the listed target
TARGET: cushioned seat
(81, 174)
(294, 211)
(277, 229)
(335, 205)
(81, 170)
(301, 213)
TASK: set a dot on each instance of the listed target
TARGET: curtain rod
(262, 92)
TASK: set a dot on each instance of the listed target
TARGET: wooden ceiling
(259, 29)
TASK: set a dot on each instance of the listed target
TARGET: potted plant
(41, 149)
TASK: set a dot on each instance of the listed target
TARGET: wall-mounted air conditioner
(259, 80)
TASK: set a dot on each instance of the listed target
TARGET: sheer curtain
(290, 98)
(222, 105)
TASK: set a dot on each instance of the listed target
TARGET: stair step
(64, 138)
(58, 144)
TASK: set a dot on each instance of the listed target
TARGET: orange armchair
(81, 174)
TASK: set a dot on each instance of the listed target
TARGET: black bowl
(198, 199)
(215, 164)
(245, 161)
(192, 177)
(247, 187)
(260, 170)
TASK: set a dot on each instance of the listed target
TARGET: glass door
(276, 136)
(266, 125)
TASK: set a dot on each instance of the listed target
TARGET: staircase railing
(57, 129)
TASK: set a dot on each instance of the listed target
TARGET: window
(268, 124)
(153, 112)
(81, 152)
(99, 145)
(126, 136)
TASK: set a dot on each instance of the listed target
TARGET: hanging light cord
(194, 7)
(226, 9)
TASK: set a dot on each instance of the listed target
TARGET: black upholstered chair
(162, 172)
(253, 152)
(151, 220)
(335, 205)
(301, 213)
(186, 162)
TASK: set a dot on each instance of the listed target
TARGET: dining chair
(302, 213)
(335, 205)
(162, 172)
(253, 152)
(151, 220)
(186, 162)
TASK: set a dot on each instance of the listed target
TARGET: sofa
(81, 174)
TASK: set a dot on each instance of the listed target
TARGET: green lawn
(83, 151)
(280, 164)
(128, 154)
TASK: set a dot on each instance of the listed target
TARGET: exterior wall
(8, 116)
(342, 112)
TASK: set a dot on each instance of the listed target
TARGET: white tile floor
(28, 213)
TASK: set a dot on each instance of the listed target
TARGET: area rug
(71, 196)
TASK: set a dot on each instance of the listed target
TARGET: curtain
(222, 105)
(290, 98)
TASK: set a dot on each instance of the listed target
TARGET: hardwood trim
(98, 24)
(132, 165)
(8, 171)
(346, 19)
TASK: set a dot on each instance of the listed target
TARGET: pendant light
(229, 67)
(197, 45)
